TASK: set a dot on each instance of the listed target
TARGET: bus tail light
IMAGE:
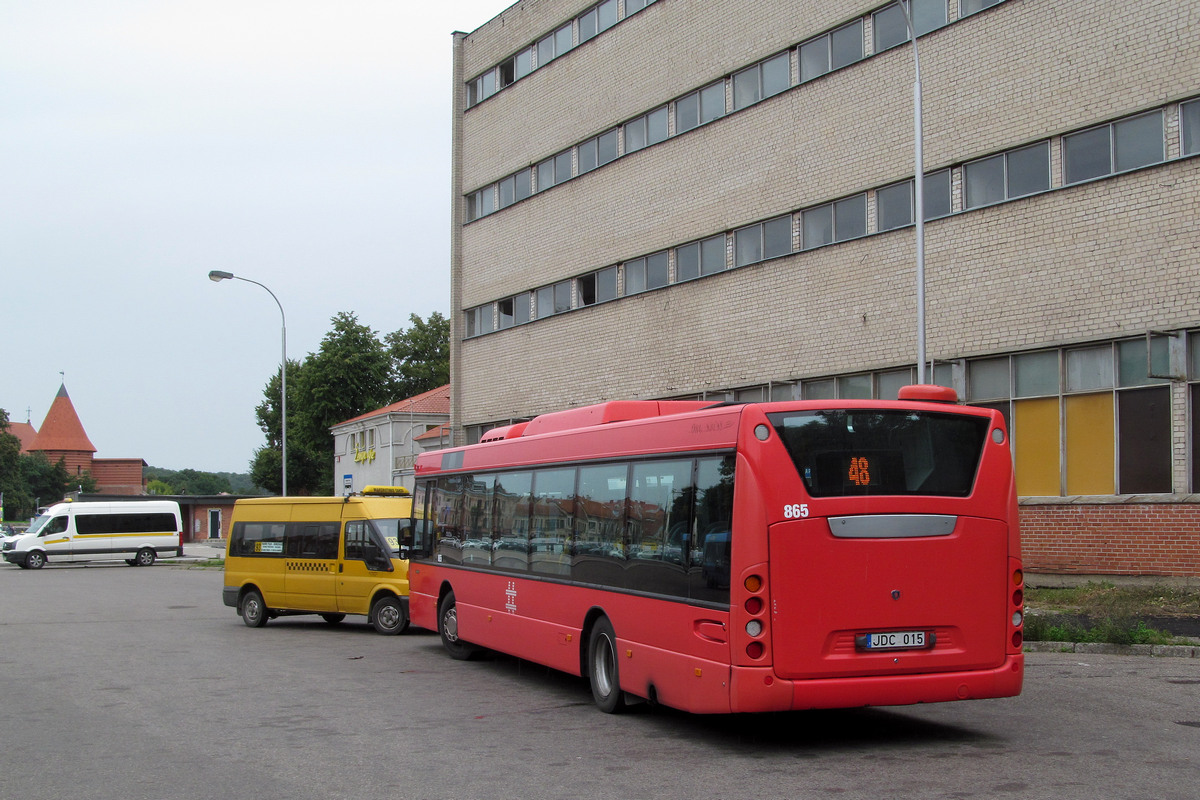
(756, 625)
(1018, 608)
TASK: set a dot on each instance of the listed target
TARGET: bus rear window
(847, 452)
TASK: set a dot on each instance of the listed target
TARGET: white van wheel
(35, 560)
(145, 557)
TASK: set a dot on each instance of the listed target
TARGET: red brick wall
(1112, 538)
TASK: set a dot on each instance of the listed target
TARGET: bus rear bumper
(758, 689)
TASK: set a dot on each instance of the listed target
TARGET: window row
(1086, 420)
(815, 57)
(588, 25)
(658, 526)
(1125, 144)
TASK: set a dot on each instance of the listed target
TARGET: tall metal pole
(918, 192)
(218, 275)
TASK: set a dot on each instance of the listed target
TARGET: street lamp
(217, 276)
(918, 192)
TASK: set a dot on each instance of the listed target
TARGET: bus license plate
(895, 640)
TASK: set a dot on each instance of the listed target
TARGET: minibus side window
(362, 544)
(56, 525)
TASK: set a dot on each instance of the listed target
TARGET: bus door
(310, 556)
(886, 566)
(365, 562)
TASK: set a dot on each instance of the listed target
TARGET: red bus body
(810, 576)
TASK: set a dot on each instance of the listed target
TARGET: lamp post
(217, 276)
(918, 192)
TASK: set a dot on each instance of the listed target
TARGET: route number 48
(795, 511)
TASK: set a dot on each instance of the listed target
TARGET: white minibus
(138, 532)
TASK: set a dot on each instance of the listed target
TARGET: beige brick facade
(1091, 262)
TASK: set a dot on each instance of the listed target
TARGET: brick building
(62, 437)
(713, 199)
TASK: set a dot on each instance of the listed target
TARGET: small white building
(379, 448)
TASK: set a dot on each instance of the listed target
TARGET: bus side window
(712, 540)
(56, 525)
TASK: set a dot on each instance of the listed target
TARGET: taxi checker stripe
(310, 566)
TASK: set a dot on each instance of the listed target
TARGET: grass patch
(209, 563)
(1104, 612)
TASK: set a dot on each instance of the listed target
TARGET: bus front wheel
(388, 617)
(603, 669)
(448, 630)
(35, 560)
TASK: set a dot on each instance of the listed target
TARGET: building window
(513, 311)
(762, 80)
(1104, 428)
(597, 287)
(1119, 146)
(556, 44)
(762, 241)
(706, 257)
(598, 151)
(697, 108)
(481, 203)
(966, 7)
(633, 6)
(554, 171)
(479, 320)
(554, 299)
(642, 274)
(891, 28)
(515, 188)
(1016, 173)
(1189, 123)
(596, 20)
(481, 88)
(646, 130)
(894, 204)
(834, 222)
(831, 51)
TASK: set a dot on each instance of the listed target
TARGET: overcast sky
(298, 143)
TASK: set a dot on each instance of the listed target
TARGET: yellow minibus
(330, 556)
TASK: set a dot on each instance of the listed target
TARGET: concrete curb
(1101, 648)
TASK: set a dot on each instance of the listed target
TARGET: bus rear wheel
(448, 630)
(254, 610)
(144, 558)
(603, 670)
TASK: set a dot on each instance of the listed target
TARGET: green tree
(46, 483)
(17, 500)
(350, 373)
(420, 355)
(155, 486)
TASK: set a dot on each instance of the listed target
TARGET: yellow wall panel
(1035, 431)
(1090, 450)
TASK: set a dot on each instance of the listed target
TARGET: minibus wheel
(333, 619)
(448, 630)
(145, 557)
(604, 671)
(254, 610)
(387, 616)
(35, 560)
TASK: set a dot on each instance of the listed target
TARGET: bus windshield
(395, 533)
(852, 452)
(37, 524)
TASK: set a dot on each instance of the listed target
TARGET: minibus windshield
(37, 524)
(394, 533)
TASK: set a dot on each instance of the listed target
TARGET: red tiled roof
(23, 431)
(62, 430)
(435, 401)
(440, 432)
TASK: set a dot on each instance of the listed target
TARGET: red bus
(737, 557)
